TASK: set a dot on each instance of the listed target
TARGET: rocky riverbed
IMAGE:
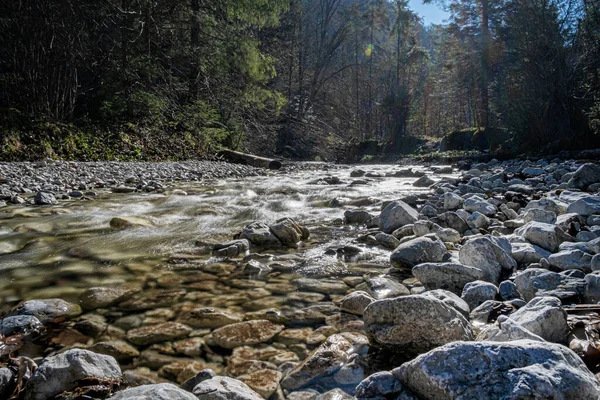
(205, 280)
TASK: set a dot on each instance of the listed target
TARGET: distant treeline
(169, 78)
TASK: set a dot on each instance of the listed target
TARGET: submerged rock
(48, 310)
(245, 333)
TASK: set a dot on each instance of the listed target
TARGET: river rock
(541, 282)
(121, 351)
(571, 259)
(477, 204)
(324, 361)
(130, 222)
(478, 221)
(231, 249)
(246, 333)
(383, 287)
(224, 388)
(44, 198)
(62, 373)
(159, 391)
(264, 382)
(585, 206)
(414, 324)
(395, 215)
(592, 288)
(452, 220)
(417, 251)
(423, 228)
(527, 253)
(208, 318)
(360, 217)
(452, 201)
(329, 286)
(509, 291)
(478, 292)
(544, 317)
(539, 215)
(423, 181)
(379, 385)
(20, 324)
(585, 175)
(6, 382)
(289, 232)
(507, 329)
(259, 234)
(356, 302)
(388, 241)
(491, 255)
(547, 236)
(449, 276)
(158, 333)
(48, 310)
(102, 297)
(513, 370)
(450, 299)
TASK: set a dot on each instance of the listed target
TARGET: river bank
(315, 281)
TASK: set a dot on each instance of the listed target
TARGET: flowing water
(59, 251)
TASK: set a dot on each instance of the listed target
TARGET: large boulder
(547, 236)
(477, 204)
(478, 292)
(522, 369)
(585, 206)
(491, 255)
(62, 373)
(289, 232)
(159, 391)
(544, 316)
(417, 251)
(540, 282)
(260, 235)
(414, 324)
(586, 175)
(395, 215)
(571, 259)
(527, 253)
(449, 276)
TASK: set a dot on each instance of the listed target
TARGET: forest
(305, 79)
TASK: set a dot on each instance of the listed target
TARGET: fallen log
(249, 159)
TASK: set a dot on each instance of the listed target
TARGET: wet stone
(264, 382)
(121, 351)
(150, 299)
(245, 333)
(102, 297)
(158, 333)
(48, 310)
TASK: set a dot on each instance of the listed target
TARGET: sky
(431, 13)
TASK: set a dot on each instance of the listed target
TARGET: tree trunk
(194, 50)
(485, 64)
